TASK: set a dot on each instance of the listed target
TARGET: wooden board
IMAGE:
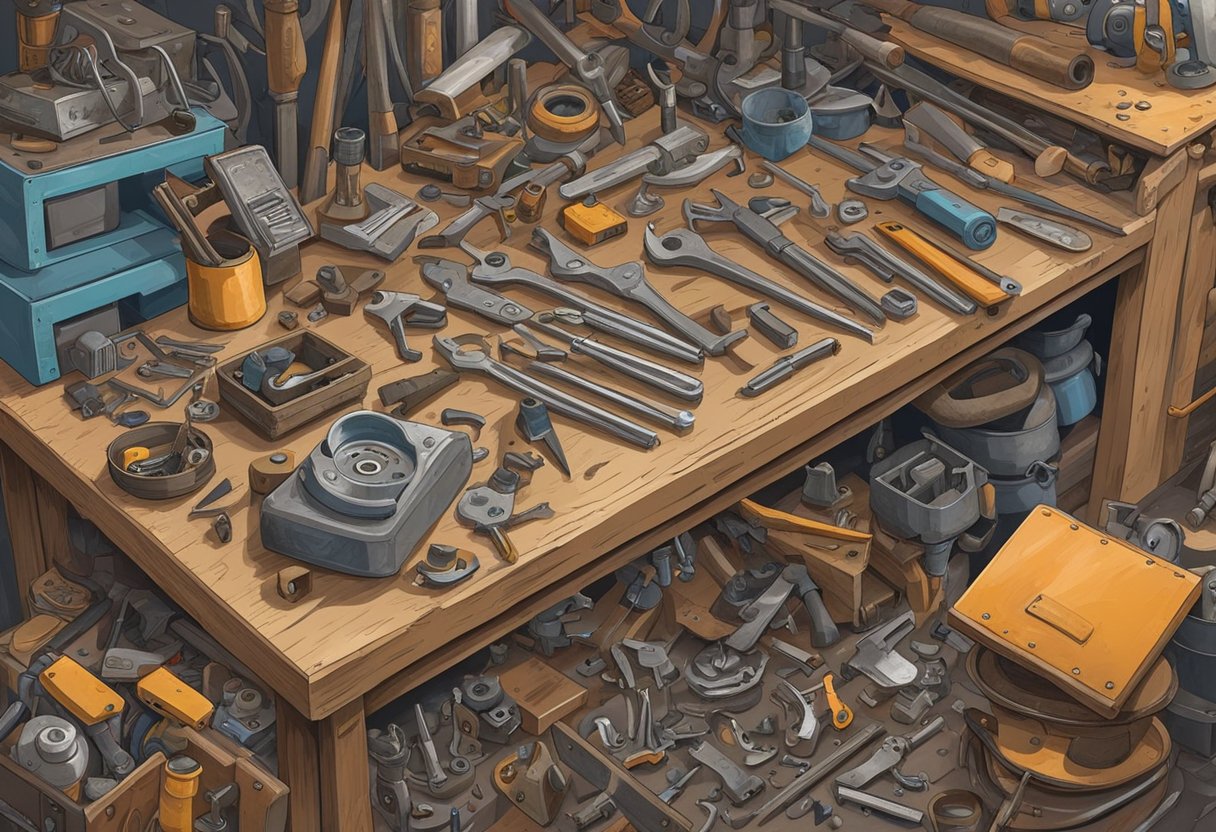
(544, 696)
(352, 634)
(1175, 117)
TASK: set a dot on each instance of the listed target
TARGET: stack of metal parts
(1070, 366)
(1001, 413)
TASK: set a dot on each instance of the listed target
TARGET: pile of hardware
(125, 708)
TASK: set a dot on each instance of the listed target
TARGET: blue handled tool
(887, 177)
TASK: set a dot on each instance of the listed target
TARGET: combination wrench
(685, 247)
(470, 353)
(494, 268)
(628, 281)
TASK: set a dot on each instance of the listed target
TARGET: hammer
(399, 308)
(823, 628)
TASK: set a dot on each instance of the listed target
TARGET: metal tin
(1072, 380)
(158, 437)
(1008, 447)
(1020, 495)
(776, 123)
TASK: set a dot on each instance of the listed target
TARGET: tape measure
(591, 221)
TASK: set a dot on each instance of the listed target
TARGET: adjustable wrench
(628, 281)
(494, 269)
(470, 353)
(887, 266)
(672, 382)
(588, 67)
(685, 247)
(666, 154)
(452, 279)
(765, 233)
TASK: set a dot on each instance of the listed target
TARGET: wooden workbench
(1156, 364)
(354, 644)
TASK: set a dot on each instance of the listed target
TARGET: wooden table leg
(299, 767)
(24, 529)
(345, 787)
(1131, 441)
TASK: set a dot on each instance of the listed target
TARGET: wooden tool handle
(286, 61)
(960, 274)
(316, 163)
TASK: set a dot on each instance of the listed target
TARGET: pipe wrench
(628, 281)
(897, 177)
(588, 67)
(765, 233)
(494, 269)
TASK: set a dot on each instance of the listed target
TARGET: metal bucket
(1009, 446)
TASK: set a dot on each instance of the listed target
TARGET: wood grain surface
(351, 634)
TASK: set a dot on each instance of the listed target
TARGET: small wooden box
(544, 694)
(349, 377)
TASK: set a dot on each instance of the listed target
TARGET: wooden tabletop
(352, 633)
(1174, 118)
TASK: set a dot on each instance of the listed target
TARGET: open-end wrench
(494, 268)
(685, 247)
(628, 281)
(588, 67)
(673, 382)
(887, 266)
(765, 233)
(452, 279)
(470, 353)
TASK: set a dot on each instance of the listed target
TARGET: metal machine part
(446, 565)
(532, 781)
(53, 750)
(463, 152)
(851, 211)
(645, 202)
(685, 247)
(549, 628)
(494, 269)
(889, 756)
(628, 281)
(666, 154)
(857, 246)
(365, 496)
(764, 321)
(497, 714)
(453, 91)
(470, 353)
(413, 391)
(389, 751)
(676, 420)
(760, 613)
(877, 658)
(803, 726)
(534, 423)
(588, 67)
(489, 508)
(397, 309)
(895, 177)
(820, 489)
(245, 714)
(765, 233)
(662, 378)
(821, 209)
(1052, 232)
(720, 672)
(787, 365)
(738, 785)
(266, 212)
(391, 223)
(1160, 537)
(452, 279)
(881, 805)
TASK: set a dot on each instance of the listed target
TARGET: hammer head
(797, 575)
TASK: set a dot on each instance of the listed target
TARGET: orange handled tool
(842, 715)
(286, 63)
(968, 280)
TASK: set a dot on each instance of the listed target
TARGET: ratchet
(675, 420)
(650, 373)
(494, 269)
(470, 353)
(628, 281)
(765, 233)
(685, 247)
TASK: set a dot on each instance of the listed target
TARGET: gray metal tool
(877, 658)
(676, 420)
(787, 365)
(685, 247)
(665, 92)
(628, 281)
(588, 67)
(1051, 232)
(644, 202)
(452, 279)
(470, 353)
(738, 785)
(673, 382)
(888, 758)
(820, 207)
(857, 246)
(393, 222)
(489, 508)
(881, 805)
(668, 153)
(765, 233)
(397, 309)
(494, 269)
(534, 423)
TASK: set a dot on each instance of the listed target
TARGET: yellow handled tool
(842, 715)
(136, 453)
(82, 694)
(1153, 35)
(169, 696)
(177, 790)
(967, 279)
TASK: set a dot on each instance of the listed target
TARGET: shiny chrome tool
(644, 202)
(1051, 232)
(673, 382)
(470, 353)
(685, 247)
(765, 233)
(676, 420)
(887, 266)
(668, 153)
(452, 279)
(787, 365)
(628, 281)
(494, 269)
(820, 207)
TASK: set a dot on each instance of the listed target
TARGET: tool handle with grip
(502, 543)
(316, 163)
(824, 632)
(971, 224)
(397, 327)
(961, 275)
